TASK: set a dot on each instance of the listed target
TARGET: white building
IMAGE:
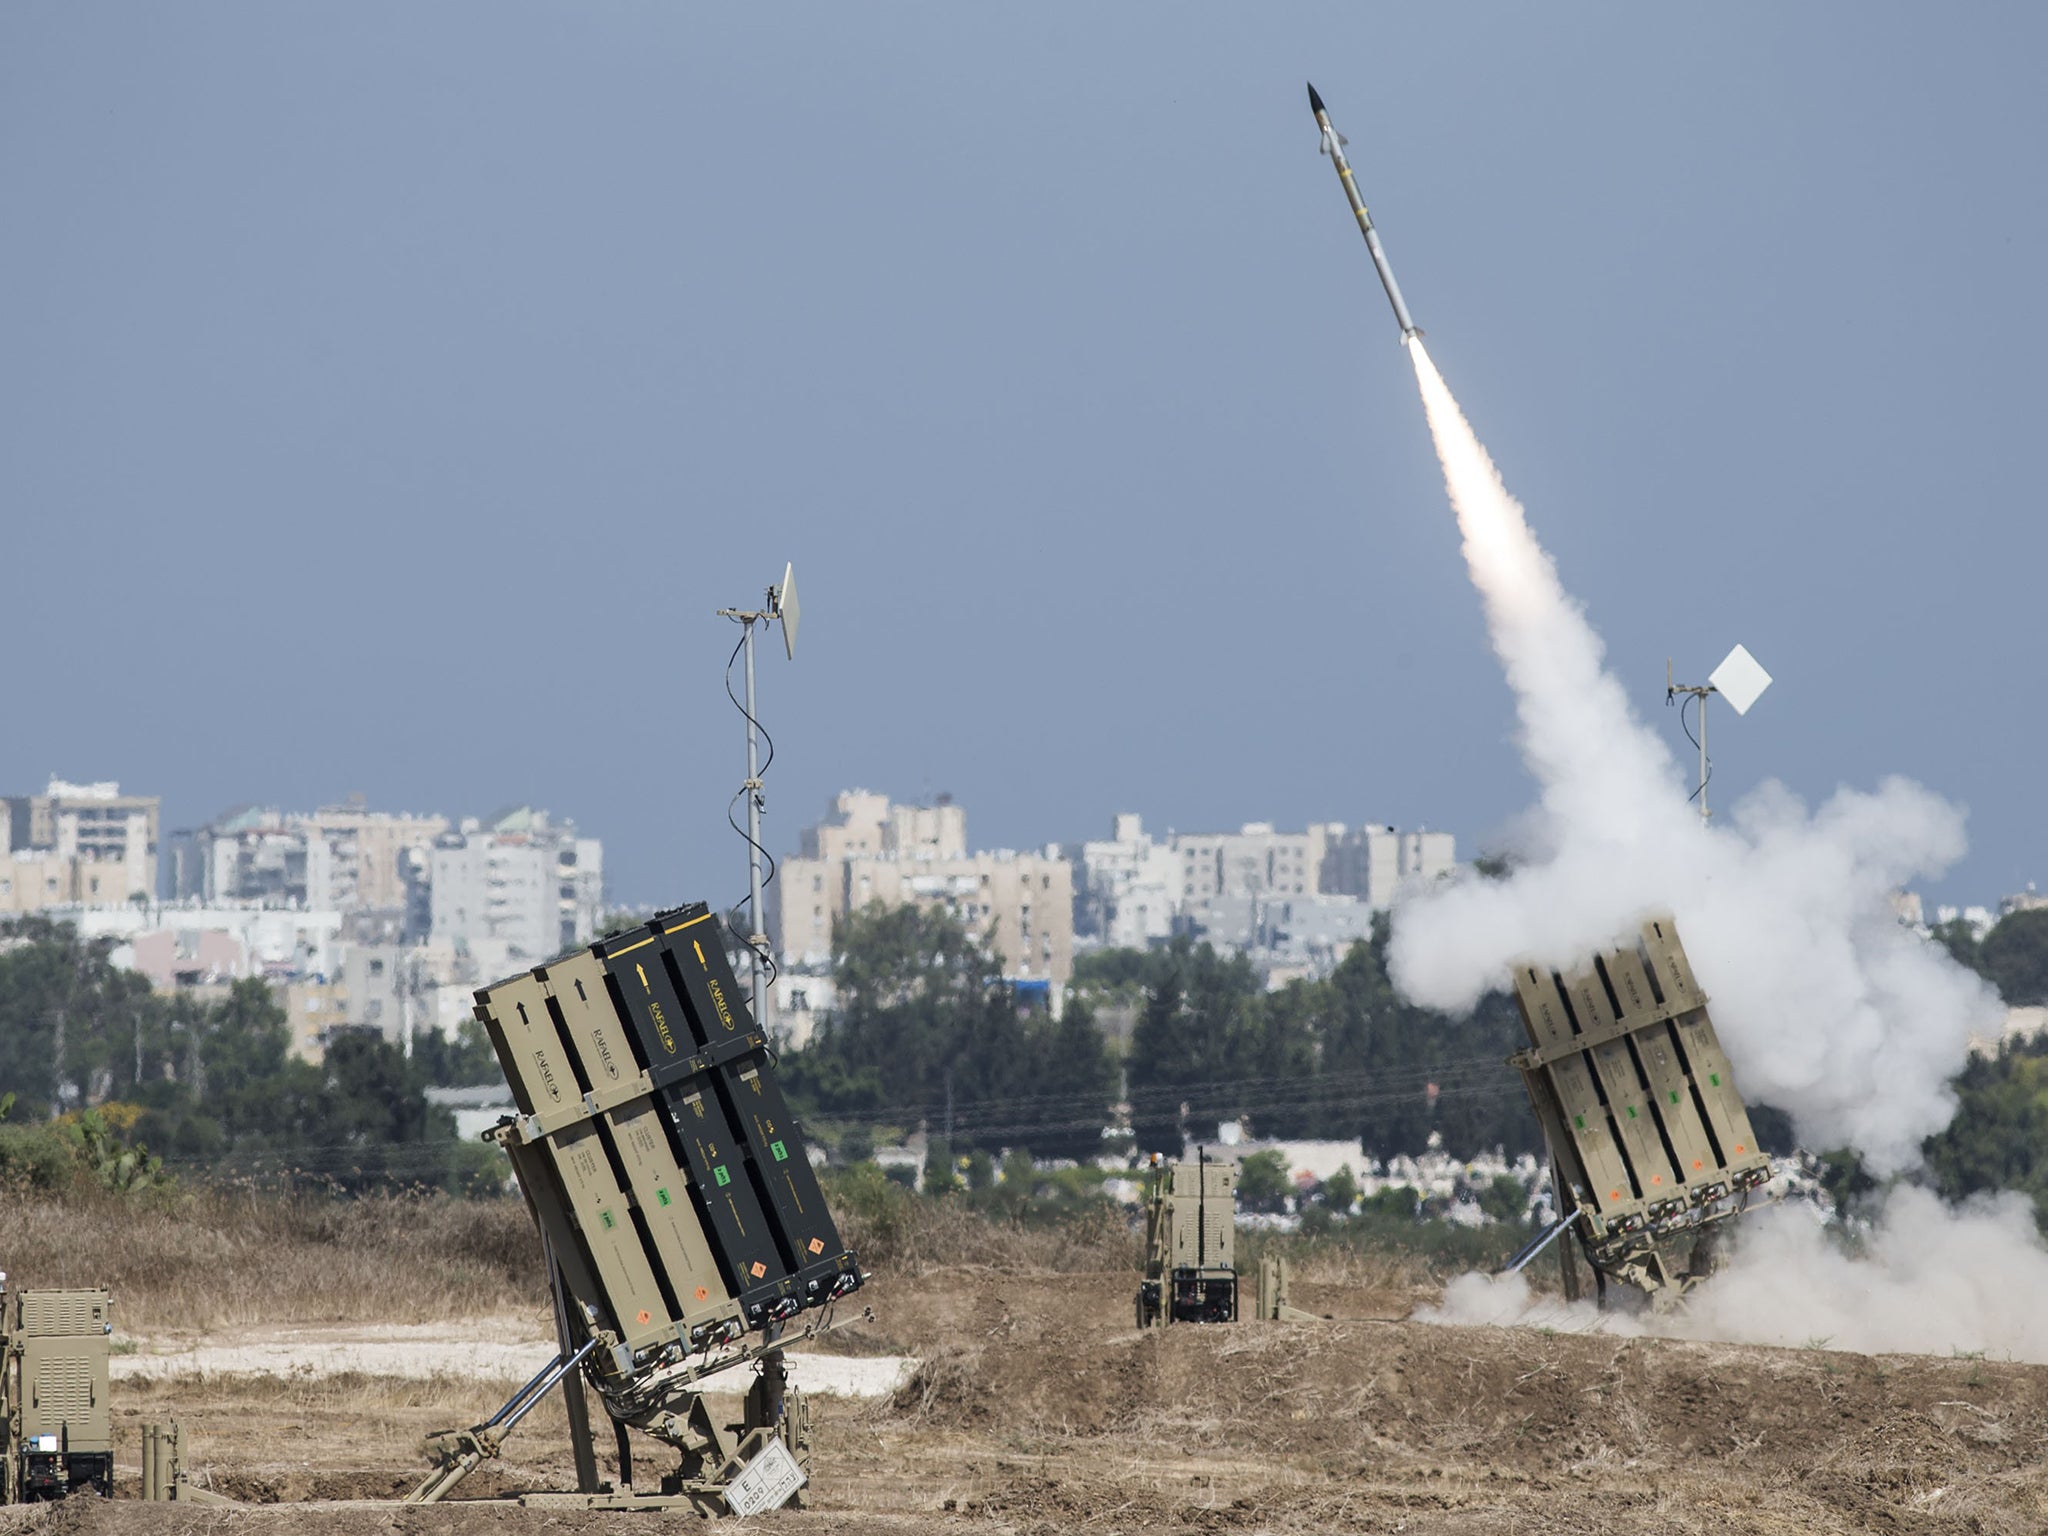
(1135, 891)
(77, 845)
(514, 891)
(185, 946)
(1378, 863)
(1130, 886)
(870, 850)
(809, 894)
(1287, 937)
(344, 858)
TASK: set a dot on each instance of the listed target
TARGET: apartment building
(1376, 863)
(514, 890)
(868, 849)
(78, 844)
(1294, 899)
(343, 858)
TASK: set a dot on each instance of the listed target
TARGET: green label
(1579, 1122)
(781, 1152)
(606, 1220)
(1631, 1111)
(1674, 1095)
(724, 1178)
(661, 1196)
(1714, 1078)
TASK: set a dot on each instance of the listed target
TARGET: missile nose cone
(1315, 102)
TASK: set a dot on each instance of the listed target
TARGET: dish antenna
(781, 606)
(1741, 680)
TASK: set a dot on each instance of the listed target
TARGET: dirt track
(1039, 1408)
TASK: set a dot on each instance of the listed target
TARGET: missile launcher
(1651, 1143)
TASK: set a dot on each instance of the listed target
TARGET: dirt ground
(1038, 1408)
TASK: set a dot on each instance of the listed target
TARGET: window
(376, 969)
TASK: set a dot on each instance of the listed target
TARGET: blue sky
(390, 393)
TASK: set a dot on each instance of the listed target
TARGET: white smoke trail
(1827, 1007)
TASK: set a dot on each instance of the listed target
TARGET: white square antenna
(787, 610)
(1740, 680)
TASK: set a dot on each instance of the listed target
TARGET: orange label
(646, 1317)
(702, 1294)
(817, 1245)
(758, 1270)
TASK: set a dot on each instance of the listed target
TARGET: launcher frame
(676, 1201)
(1651, 1146)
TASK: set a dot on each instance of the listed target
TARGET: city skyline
(1948, 895)
(378, 398)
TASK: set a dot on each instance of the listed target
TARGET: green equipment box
(55, 1425)
(1190, 1244)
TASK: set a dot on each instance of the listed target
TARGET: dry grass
(907, 1236)
(206, 1258)
(209, 1258)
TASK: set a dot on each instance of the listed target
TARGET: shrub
(34, 1157)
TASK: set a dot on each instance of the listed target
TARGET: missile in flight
(1333, 146)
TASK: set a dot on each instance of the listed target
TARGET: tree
(1503, 1198)
(1960, 940)
(468, 1059)
(927, 1030)
(368, 1122)
(1262, 1182)
(1999, 1136)
(200, 1082)
(72, 1024)
(1393, 1073)
(1073, 1081)
(2015, 957)
(940, 1176)
(1194, 1045)
(1340, 1191)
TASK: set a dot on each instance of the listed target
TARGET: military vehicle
(1190, 1244)
(686, 1229)
(1651, 1146)
(56, 1432)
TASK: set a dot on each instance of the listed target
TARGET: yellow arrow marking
(700, 954)
(645, 984)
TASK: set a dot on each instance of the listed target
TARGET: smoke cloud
(1827, 1007)
(1930, 1279)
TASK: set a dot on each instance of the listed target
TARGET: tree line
(1999, 1136)
(210, 1082)
(927, 1034)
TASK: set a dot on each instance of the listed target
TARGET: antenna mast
(1740, 680)
(1671, 692)
(781, 605)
